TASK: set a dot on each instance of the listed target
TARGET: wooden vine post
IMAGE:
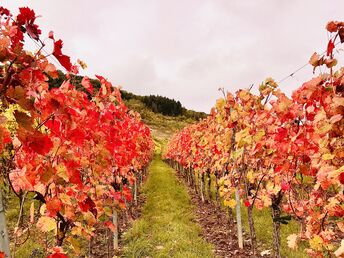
(250, 219)
(237, 200)
(4, 242)
(276, 214)
(201, 177)
(238, 217)
(115, 233)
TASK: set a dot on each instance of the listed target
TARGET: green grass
(263, 225)
(12, 213)
(166, 228)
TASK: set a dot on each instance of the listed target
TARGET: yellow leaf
(316, 243)
(61, 171)
(75, 244)
(89, 218)
(237, 153)
(77, 230)
(234, 116)
(327, 156)
(321, 115)
(241, 134)
(100, 190)
(46, 224)
(269, 151)
(314, 60)
(324, 128)
(108, 211)
(259, 135)
(250, 176)
(230, 203)
(220, 103)
(66, 199)
(273, 188)
(266, 200)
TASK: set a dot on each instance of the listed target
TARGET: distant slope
(164, 105)
(163, 127)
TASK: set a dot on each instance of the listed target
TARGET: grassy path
(166, 228)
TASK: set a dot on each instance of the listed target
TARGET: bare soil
(217, 228)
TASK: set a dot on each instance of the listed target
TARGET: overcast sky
(187, 49)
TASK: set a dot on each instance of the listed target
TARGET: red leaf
(54, 126)
(117, 196)
(4, 11)
(5, 137)
(330, 47)
(41, 145)
(281, 134)
(86, 83)
(75, 177)
(305, 159)
(88, 205)
(247, 203)
(54, 205)
(33, 31)
(51, 35)
(26, 18)
(25, 15)
(63, 59)
(285, 186)
(37, 142)
(341, 178)
(77, 136)
(73, 172)
(127, 193)
(57, 255)
(110, 225)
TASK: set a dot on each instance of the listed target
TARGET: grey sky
(188, 49)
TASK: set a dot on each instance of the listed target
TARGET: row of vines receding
(75, 157)
(275, 152)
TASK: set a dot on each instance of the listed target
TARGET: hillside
(165, 123)
(162, 126)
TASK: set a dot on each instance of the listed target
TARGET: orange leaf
(110, 225)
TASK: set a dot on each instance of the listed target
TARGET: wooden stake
(238, 217)
(4, 242)
(115, 234)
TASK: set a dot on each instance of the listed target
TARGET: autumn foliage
(283, 153)
(79, 156)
